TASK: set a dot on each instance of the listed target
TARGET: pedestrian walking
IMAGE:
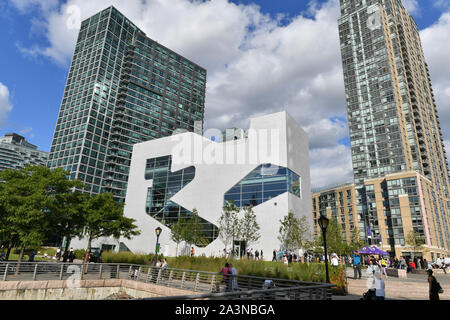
(31, 257)
(225, 271)
(65, 256)
(192, 251)
(416, 263)
(444, 266)
(274, 253)
(256, 254)
(356, 264)
(262, 255)
(434, 286)
(285, 260)
(71, 255)
(234, 280)
(383, 266)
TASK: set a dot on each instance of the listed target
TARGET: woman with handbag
(434, 286)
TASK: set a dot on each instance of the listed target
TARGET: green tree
(26, 197)
(229, 228)
(248, 227)
(192, 232)
(104, 218)
(37, 203)
(415, 241)
(294, 232)
(355, 242)
(177, 232)
(67, 206)
(335, 240)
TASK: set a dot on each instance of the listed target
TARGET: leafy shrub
(129, 257)
(79, 253)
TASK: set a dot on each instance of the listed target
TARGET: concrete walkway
(415, 287)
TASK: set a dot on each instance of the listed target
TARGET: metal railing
(212, 285)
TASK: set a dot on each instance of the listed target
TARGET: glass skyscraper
(399, 161)
(122, 88)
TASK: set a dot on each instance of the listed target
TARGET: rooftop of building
(332, 187)
(143, 33)
(17, 139)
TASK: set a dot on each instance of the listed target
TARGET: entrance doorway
(239, 249)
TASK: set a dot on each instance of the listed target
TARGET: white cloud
(331, 166)
(412, 6)
(25, 130)
(255, 65)
(5, 104)
(441, 4)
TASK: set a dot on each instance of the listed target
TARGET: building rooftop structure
(16, 152)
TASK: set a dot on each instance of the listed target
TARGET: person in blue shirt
(356, 264)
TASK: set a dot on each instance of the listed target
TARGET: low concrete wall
(398, 273)
(83, 290)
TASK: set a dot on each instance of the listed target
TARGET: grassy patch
(308, 272)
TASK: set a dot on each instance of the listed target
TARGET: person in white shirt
(334, 261)
(379, 285)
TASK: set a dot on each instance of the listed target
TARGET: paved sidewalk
(414, 287)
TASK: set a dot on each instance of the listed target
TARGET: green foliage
(356, 243)
(35, 203)
(309, 272)
(249, 228)
(415, 241)
(47, 250)
(335, 240)
(229, 227)
(129, 257)
(294, 233)
(79, 253)
(177, 232)
(104, 218)
(192, 231)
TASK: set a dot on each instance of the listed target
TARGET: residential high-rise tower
(16, 152)
(123, 88)
(399, 161)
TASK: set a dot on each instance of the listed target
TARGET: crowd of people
(256, 255)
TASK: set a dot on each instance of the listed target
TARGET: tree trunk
(67, 244)
(22, 250)
(8, 252)
(88, 250)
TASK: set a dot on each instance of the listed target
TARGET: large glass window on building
(262, 184)
(165, 185)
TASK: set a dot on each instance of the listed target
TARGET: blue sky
(36, 81)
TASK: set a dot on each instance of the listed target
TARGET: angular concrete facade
(274, 139)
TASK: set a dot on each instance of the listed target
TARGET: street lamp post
(323, 223)
(158, 233)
